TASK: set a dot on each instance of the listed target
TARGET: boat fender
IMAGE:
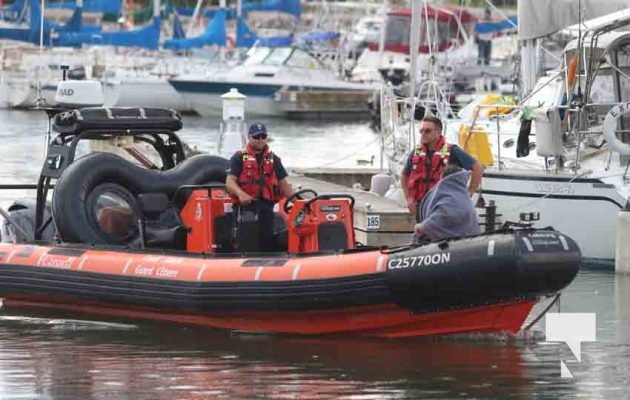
(548, 132)
(95, 199)
(610, 126)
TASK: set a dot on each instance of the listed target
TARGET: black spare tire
(95, 199)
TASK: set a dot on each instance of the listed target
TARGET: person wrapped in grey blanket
(447, 210)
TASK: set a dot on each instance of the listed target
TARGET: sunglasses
(259, 136)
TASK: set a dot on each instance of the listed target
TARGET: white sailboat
(572, 173)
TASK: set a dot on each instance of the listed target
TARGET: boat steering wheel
(288, 204)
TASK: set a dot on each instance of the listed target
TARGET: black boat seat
(160, 223)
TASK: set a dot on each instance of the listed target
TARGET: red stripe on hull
(387, 320)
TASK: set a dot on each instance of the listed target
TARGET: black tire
(73, 197)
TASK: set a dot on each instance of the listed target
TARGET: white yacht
(260, 77)
(143, 81)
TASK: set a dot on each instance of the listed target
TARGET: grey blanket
(447, 211)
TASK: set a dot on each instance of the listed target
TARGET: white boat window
(278, 56)
(625, 88)
(623, 62)
(257, 56)
(397, 30)
(301, 59)
(602, 90)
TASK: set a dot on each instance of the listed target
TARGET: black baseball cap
(257, 128)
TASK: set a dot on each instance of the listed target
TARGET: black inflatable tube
(482, 270)
(73, 188)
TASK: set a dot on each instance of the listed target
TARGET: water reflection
(157, 361)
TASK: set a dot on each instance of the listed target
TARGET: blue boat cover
(319, 36)
(488, 27)
(214, 34)
(31, 34)
(288, 6)
(147, 37)
(246, 38)
(96, 6)
(15, 12)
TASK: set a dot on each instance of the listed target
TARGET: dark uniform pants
(254, 227)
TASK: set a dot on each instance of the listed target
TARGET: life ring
(610, 126)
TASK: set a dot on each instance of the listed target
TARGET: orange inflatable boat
(134, 241)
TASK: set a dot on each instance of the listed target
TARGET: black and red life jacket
(259, 181)
(426, 172)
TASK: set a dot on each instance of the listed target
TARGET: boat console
(323, 222)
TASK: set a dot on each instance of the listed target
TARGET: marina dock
(301, 104)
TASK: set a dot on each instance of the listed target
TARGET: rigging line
(501, 13)
(617, 69)
(542, 314)
(378, 138)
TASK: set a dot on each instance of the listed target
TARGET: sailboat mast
(381, 36)
(194, 18)
(39, 99)
(414, 45)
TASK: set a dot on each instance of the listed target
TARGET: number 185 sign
(373, 222)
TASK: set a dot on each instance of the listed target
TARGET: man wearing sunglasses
(428, 160)
(256, 179)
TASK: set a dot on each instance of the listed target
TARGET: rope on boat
(350, 154)
(531, 324)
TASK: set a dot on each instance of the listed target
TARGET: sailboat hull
(584, 208)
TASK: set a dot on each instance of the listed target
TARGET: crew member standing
(428, 160)
(256, 179)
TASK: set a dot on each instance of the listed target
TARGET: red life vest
(423, 177)
(259, 181)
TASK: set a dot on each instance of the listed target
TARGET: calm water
(43, 357)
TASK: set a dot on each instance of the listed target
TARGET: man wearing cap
(427, 161)
(256, 179)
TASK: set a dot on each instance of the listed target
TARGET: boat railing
(497, 113)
